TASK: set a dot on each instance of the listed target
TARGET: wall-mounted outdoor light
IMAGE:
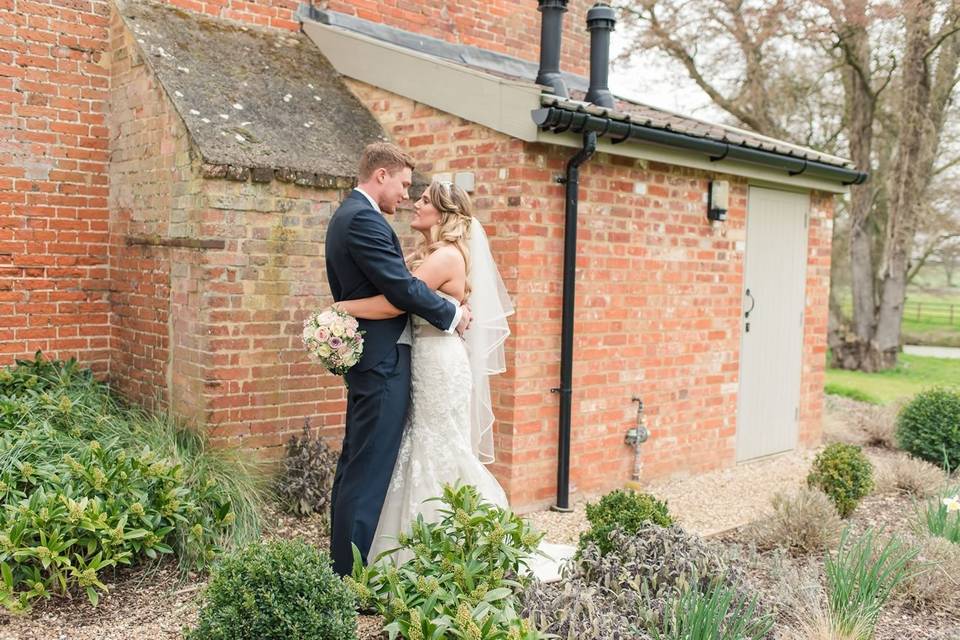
(718, 200)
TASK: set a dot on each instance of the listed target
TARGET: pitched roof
(254, 98)
(511, 68)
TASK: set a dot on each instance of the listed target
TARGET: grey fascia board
(497, 103)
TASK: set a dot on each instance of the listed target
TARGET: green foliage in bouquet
(87, 485)
(929, 427)
(627, 510)
(463, 579)
(276, 591)
(842, 472)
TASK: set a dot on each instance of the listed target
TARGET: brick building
(169, 168)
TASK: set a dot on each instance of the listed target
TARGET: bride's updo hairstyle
(456, 215)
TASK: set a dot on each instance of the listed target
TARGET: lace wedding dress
(437, 446)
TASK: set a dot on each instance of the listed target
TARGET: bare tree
(950, 260)
(871, 80)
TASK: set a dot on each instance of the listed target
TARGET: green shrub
(627, 510)
(86, 484)
(276, 591)
(860, 580)
(463, 579)
(929, 427)
(842, 472)
(305, 482)
(631, 588)
(718, 613)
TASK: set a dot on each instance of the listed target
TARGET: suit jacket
(364, 259)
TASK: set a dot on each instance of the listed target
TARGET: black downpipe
(559, 120)
(572, 182)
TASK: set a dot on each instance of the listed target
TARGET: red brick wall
(658, 304)
(212, 332)
(819, 238)
(54, 78)
(149, 164)
(254, 295)
(505, 26)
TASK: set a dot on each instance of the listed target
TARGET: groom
(364, 259)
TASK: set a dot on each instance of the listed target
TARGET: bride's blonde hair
(456, 215)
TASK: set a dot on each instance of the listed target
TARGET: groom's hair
(383, 155)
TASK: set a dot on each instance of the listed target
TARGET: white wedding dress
(437, 446)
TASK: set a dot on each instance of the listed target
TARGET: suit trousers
(377, 404)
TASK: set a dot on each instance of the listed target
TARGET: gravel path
(932, 352)
(706, 504)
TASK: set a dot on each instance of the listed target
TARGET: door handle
(753, 303)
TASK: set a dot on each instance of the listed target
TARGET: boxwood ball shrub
(842, 472)
(929, 427)
(283, 590)
(628, 510)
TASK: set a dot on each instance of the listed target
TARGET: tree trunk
(924, 95)
(850, 345)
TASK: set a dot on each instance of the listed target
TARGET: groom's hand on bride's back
(465, 320)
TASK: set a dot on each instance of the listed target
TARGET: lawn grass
(926, 319)
(911, 375)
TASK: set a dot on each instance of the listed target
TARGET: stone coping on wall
(258, 103)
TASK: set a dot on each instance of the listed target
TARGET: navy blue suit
(364, 259)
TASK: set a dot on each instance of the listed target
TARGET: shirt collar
(366, 195)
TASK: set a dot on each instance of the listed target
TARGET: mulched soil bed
(156, 603)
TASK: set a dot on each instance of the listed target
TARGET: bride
(449, 431)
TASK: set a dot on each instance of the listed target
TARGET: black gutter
(572, 182)
(558, 120)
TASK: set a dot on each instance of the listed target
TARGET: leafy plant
(575, 609)
(718, 613)
(941, 515)
(631, 587)
(86, 485)
(860, 579)
(843, 473)
(929, 427)
(801, 522)
(305, 481)
(463, 577)
(280, 590)
(627, 510)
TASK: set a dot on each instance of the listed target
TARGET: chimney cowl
(601, 20)
(551, 35)
(601, 16)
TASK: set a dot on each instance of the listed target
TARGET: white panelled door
(772, 322)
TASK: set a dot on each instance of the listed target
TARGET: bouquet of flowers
(333, 338)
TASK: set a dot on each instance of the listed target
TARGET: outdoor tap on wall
(635, 437)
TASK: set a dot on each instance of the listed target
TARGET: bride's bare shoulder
(447, 255)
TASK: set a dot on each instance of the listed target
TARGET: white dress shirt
(405, 336)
